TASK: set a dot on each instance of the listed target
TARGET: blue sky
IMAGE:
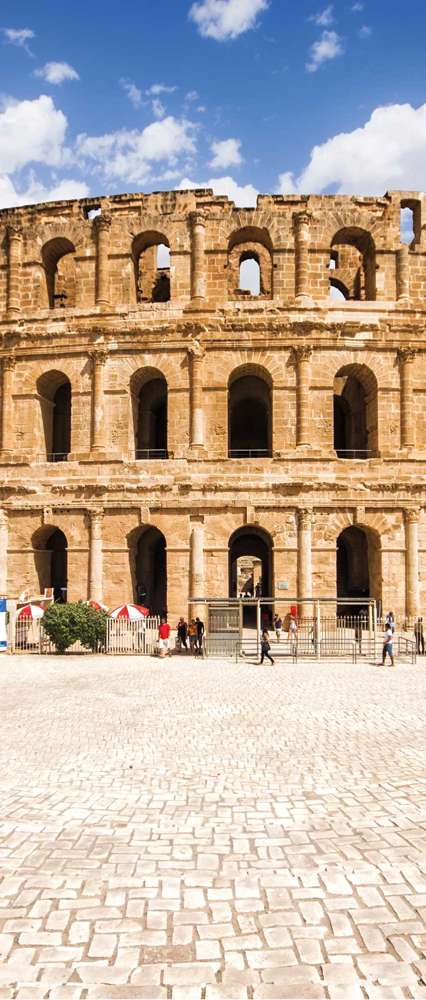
(244, 95)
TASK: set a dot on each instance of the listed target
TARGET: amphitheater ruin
(163, 422)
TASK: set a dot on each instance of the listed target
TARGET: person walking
(192, 635)
(265, 647)
(200, 633)
(278, 624)
(390, 620)
(388, 647)
(164, 637)
(292, 634)
(419, 636)
(182, 633)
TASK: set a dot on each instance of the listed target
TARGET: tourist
(192, 635)
(200, 633)
(388, 646)
(164, 637)
(292, 634)
(182, 633)
(390, 620)
(278, 626)
(358, 632)
(419, 637)
(265, 647)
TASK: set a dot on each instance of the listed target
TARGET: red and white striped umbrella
(30, 611)
(97, 605)
(134, 612)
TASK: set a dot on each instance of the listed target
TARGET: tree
(68, 623)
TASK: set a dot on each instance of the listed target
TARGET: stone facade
(148, 413)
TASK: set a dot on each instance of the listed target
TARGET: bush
(66, 623)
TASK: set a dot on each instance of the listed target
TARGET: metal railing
(249, 453)
(406, 648)
(122, 636)
(151, 453)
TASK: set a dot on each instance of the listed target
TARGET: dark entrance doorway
(51, 560)
(148, 553)
(250, 568)
(358, 567)
(249, 418)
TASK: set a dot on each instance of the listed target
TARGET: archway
(355, 405)
(149, 402)
(151, 262)
(51, 561)
(249, 415)
(59, 266)
(250, 566)
(354, 263)
(149, 568)
(358, 566)
(54, 390)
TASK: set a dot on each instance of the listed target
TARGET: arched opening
(410, 221)
(354, 270)
(250, 567)
(338, 291)
(149, 401)
(51, 561)
(59, 268)
(54, 391)
(250, 263)
(148, 557)
(249, 415)
(151, 262)
(358, 567)
(355, 416)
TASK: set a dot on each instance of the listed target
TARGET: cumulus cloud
(243, 195)
(323, 18)
(224, 19)
(19, 37)
(226, 153)
(159, 88)
(329, 46)
(130, 154)
(388, 152)
(30, 131)
(57, 72)
(132, 92)
(158, 108)
(35, 191)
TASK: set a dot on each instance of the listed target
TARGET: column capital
(196, 350)
(302, 353)
(14, 229)
(412, 515)
(197, 218)
(8, 362)
(99, 356)
(101, 222)
(302, 218)
(406, 355)
(304, 517)
(96, 514)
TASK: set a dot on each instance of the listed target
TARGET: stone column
(7, 426)
(302, 359)
(14, 245)
(406, 357)
(402, 274)
(99, 358)
(196, 433)
(102, 228)
(411, 562)
(301, 245)
(96, 556)
(304, 556)
(4, 537)
(196, 566)
(198, 275)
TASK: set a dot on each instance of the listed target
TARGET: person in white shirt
(388, 646)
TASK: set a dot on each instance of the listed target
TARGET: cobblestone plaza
(193, 831)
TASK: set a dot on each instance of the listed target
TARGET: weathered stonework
(75, 311)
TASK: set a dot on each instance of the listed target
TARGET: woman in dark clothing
(265, 647)
(182, 631)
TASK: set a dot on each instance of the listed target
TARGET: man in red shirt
(164, 637)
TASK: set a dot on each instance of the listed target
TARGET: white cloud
(130, 154)
(357, 8)
(243, 195)
(223, 19)
(57, 72)
(158, 108)
(365, 31)
(132, 92)
(159, 88)
(31, 131)
(324, 17)
(327, 47)
(192, 95)
(37, 192)
(19, 37)
(388, 152)
(226, 153)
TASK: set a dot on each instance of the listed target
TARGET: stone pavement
(194, 831)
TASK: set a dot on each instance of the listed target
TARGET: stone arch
(250, 243)
(257, 362)
(356, 261)
(148, 567)
(55, 397)
(50, 548)
(249, 412)
(358, 565)
(355, 413)
(250, 542)
(152, 282)
(148, 393)
(58, 258)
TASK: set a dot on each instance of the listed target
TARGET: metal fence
(122, 636)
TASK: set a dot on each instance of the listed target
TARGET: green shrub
(66, 623)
